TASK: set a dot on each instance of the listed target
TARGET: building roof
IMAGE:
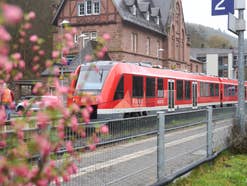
(195, 52)
(162, 8)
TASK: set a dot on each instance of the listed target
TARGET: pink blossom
(12, 14)
(21, 170)
(31, 15)
(22, 33)
(42, 119)
(83, 134)
(4, 50)
(16, 56)
(42, 182)
(106, 36)
(74, 123)
(65, 178)
(88, 58)
(36, 59)
(4, 35)
(27, 26)
(92, 147)
(2, 143)
(61, 134)
(18, 76)
(96, 139)
(48, 63)
(66, 113)
(104, 49)
(35, 67)
(64, 61)
(3, 60)
(56, 71)
(22, 64)
(33, 38)
(21, 40)
(65, 50)
(70, 44)
(69, 147)
(104, 129)
(33, 172)
(100, 54)
(68, 37)
(20, 134)
(37, 87)
(8, 67)
(41, 52)
(85, 114)
(73, 31)
(35, 48)
(55, 54)
(45, 146)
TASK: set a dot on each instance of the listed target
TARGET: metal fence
(137, 153)
(148, 150)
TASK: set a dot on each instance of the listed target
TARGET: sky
(199, 12)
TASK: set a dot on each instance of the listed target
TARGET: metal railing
(147, 150)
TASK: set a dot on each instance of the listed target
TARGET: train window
(211, 86)
(137, 86)
(150, 87)
(204, 89)
(187, 90)
(216, 89)
(160, 88)
(230, 90)
(119, 94)
(179, 89)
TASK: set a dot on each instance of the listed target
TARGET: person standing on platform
(6, 100)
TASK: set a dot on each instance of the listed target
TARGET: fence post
(209, 131)
(161, 146)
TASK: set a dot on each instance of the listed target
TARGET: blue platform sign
(222, 7)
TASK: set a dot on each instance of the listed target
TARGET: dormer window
(147, 16)
(88, 7)
(158, 20)
(134, 10)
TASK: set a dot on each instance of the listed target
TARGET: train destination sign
(222, 7)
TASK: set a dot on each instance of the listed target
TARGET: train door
(194, 94)
(171, 95)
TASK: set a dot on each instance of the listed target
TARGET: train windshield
(91, 79)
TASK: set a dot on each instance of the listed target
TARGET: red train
(128, 89)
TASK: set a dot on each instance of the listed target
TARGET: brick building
(141, 30)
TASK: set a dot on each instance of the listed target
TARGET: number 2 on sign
(218, 5)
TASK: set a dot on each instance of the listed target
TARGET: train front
(86, 86)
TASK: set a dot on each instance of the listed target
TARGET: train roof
(147, 70)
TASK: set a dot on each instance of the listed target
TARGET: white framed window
(88, 7)
(96, 7)
(147, 16)
(148, 46)
(81, 9)
(134, 10)
(85, 37)
(158, 20)
(134, 42)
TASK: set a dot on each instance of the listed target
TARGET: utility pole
(237, 26)
(241, 67)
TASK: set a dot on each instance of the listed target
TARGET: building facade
(141, 30)
(219, 62)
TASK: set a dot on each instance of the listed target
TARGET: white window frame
(81, 13)
(148, 46)
(134, 42)
(87, 36)
(147, 16)
(90, 7)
